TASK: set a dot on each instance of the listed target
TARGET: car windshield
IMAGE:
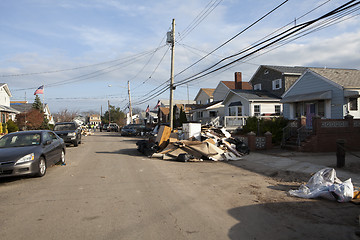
(64, 127)
(20, 140)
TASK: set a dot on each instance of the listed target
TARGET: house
(224, 86)
(6, 111)
(275, 79)
(209, 114)
(205, 96)
(163, 115)
(95, 119)
(323, 92)
(163, 108)
(240, 104)
(24, 106)
(211, 110)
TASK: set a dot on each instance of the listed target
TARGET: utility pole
(171, 40)
(130, 109)
(109, 110)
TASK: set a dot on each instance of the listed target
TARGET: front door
(310, 113)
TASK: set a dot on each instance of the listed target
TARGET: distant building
(95, 119)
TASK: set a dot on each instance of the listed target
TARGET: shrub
(261, 125)
(11, 126)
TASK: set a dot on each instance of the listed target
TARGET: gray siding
(311, 83)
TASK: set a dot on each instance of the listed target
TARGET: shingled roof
(348, 78)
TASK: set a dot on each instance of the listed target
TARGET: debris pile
(215, 144)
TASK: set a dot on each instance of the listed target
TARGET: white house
(6, 112)
(205, 96)
(241, 104)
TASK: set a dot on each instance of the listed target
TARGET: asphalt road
(108, 190)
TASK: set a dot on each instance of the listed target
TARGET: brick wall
(328, 131)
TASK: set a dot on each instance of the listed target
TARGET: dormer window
(276, 84)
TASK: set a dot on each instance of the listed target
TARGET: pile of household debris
(210, 144)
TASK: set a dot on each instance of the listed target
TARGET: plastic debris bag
(325, 184)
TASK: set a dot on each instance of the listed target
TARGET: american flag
(157, 105)
(40, 90)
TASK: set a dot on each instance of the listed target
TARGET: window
(212, 113)
(277, 109)
(239, 111)
(321, 108)
(256, 110)
(353, 102)
(266, 72)
(257, 86)
(276, 84)
(231, 111)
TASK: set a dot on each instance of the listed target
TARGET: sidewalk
(276, 161)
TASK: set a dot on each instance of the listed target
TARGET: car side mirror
(47, 142)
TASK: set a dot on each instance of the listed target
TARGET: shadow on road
(313, 219)
(126, 151)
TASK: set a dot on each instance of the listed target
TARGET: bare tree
(65, 115)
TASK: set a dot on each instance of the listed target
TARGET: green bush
(261, 126)
(11, 126)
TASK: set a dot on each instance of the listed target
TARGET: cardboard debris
(217, 145)
(163, 136)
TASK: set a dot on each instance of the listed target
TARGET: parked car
(128, 130)
(70, 132)
(113, 127)
(30, 152)
(105, 127)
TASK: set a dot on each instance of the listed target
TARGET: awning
(349, 93)
(233, 104)
(8, 109)
(308, 97)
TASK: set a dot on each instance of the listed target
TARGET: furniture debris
(215, 145)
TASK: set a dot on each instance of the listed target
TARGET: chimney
(238, 80)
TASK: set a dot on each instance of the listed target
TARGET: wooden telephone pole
(171, 40)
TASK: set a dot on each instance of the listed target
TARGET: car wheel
(62, 157)
(76, 143)
(41, 167)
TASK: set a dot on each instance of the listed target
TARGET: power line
(251, 25)
(271, 41)
(72, 69)
(95, 73)
(282, 37)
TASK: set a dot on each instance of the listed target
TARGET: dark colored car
(113, 127)
(30, 152)
(128, 130)
(70, 132)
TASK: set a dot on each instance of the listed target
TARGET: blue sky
(85, 51)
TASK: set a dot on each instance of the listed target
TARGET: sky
(85, 52)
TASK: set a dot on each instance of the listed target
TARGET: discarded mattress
(326, 185)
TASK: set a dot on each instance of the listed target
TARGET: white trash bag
(325, 184)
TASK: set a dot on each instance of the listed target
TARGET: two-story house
(211, 110)
(6, 112)
(95, 120)
(275, 79)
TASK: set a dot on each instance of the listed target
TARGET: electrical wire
(269, 42)
(72, 69)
